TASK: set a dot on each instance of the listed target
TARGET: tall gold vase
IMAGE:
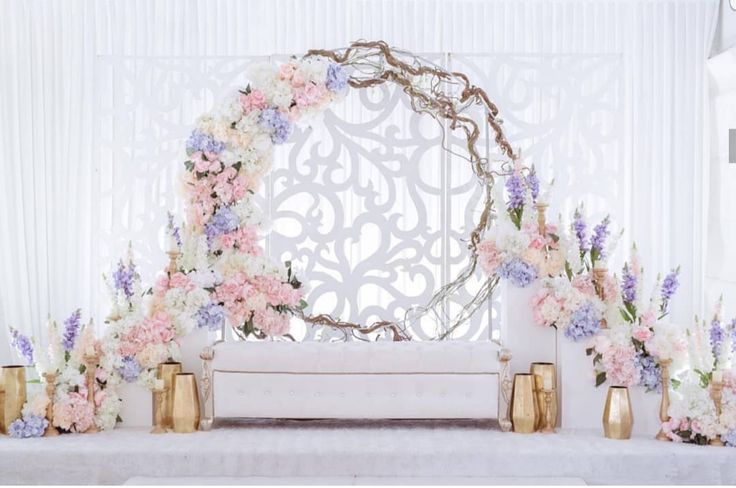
(14, 395)
(167, 372)
(617, 416)
(524, 411)
(186, 403)
(543, 371)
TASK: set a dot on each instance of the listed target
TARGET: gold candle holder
(14, 396)
(548, 427)
(541, 217)
(617, 417)
(91, 360)
(185, 414)
(173, 255)
(664, 405)
(545, 373)
(599, 277)
(524, 410)
(158, 398)
(716, 393)
(167, 372)
(50, 379)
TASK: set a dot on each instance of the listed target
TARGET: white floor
(362, 452)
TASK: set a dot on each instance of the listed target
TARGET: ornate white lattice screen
(365, 201)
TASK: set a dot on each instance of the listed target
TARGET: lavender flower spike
(669, 287)
(580, 229)
(532, 182)
(628, 285)
(71, 330)
(22, 344)
(515, 187)
(600, 234)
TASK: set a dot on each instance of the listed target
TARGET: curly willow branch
(445, 96)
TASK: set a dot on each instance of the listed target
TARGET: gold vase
(185, 414)
(617, 416)
(664, 404)
(524, 411)
(167, 372)
(542, 372)
(14, 396)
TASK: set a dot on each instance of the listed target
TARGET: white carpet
(385, 450)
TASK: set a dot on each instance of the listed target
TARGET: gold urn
(12, 395)
(185, 413)
(545, 373)
(524, 408)
(617, 416)
(167, 372)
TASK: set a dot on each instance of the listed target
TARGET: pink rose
(180, 280)
(255, 100)
(286, 71)
(642, 334)
(488, 256)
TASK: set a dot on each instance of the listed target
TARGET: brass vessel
(14, 396)
(664, 405)
(524, 411)
(617, 416)
(167, 372)
(185, 414)
(544, 371)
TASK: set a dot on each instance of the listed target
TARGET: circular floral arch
(230, 151)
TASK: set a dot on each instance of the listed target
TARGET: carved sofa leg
(504, 356)
(208, 400)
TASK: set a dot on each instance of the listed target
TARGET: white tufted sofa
(366, 380)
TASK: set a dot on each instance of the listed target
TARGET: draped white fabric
(50, 52)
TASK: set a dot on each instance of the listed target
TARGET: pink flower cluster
(254, 298)
(73, 413)
(148, 341)
(618, 361)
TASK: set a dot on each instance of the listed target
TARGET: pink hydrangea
(641, 333)
(255, 100)
(619, 364)
(271, 322)
(73, 413)
(488, 257)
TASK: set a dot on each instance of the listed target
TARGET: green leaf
(589, 351)
(303, 304)
(675, 383)
(189, 165)
(37, 381)
(237, 166)
(600, 378)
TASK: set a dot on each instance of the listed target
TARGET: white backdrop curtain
(50, 53)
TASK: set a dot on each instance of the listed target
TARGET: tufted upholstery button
(342, 394)
(316, 393)
(241, 392)
(468, 395)
(443, 394)
(291, 393)
(393, 395)
(419, 394)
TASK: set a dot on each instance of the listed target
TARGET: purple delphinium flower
(337, 78)
(130, 370)
(515, 187)
(123, 278)
(717, 335)
(580, 228)
(598, 239)
(584, 322)
(22, 344)
(211, 316)
(199, 141)
(628, 285)
(517, 272)
(729, 438)
(71, 330)
(222, 222)
(732, 327)
(277, 123)
(669, 287)
(650, 375)
(174, 229)
(532, 182)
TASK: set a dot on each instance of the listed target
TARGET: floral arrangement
(516, 249)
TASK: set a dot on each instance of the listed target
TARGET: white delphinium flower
(262, 75)
(231, 112)
(107, 412)
(315, 68)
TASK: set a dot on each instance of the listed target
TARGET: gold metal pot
(166, 372)
(14, 396)
(186, 403)
(524, 411)
(617, 416)
(542, 372)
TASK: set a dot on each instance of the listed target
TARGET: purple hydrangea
(580, 228)
(515, 188)
(517, 272)
(199, 141)
(650, 375)
(222, 222)
(729, 438)
(600, 234)
(337, 78)
(733, 335)
(71, 330)
(628, 285)
(211, 316)
(717, 335)
(584, 322)
(130, 370)
(532, 182)
(22, 344)
(277, 123)
(124, 277)
(669, 287)
(31, 426)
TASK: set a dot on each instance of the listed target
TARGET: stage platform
(359, 452)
